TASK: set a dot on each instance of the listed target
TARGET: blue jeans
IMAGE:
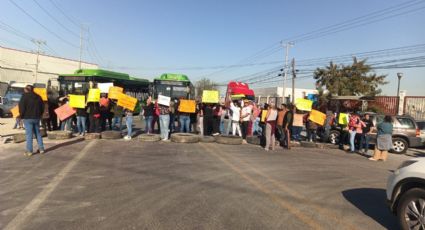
(116, 121)
(129, 123)
(364, 143)
(148, 124)
(66, 124)
(81, 124)
(164, 121)
(172, 124)
(352, 138)
(184, 123)
(32, 126)
(296, 132)
(256, 126)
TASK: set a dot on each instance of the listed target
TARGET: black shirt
(368, 125)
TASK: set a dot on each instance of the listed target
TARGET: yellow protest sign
(210, 96)
(15, 111)
(94, 95)
(317, 117)
(42, 92)
(343, 119)
(187, 106)
(126, 101)
(114, 92)
(77, 101)
(303, 104)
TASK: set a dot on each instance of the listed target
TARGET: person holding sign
(148, 112)
(31, 109)
(65, 124)
(164, 121)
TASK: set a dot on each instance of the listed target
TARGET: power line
(40, 24)
(54, 19)
(73, 21)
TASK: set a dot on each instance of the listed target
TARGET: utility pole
(38, 43)
(294, 75)
(81, 45)
(285, 77)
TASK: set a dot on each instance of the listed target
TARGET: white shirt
(246, 111)
(236, 112)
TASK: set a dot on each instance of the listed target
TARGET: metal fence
(385, 104)
(415, 107)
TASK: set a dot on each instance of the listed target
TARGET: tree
(357, 79)
(204, 84)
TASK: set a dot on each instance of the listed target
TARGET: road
(117, 184)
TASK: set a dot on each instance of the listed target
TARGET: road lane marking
(297, 213)
(291, 192)
(25, 213)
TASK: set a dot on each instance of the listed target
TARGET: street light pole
(399, 76)
(285, 77)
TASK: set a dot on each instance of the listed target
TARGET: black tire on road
(111, 135)
(334, 136)
(400, 145)
(206, 139)
(184, 138)
(412, 197)
(149, 137)
(19, 137)
(254, 140)
(229, 140)
(92, 136)
(59, 135)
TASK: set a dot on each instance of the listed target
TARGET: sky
(148, 38)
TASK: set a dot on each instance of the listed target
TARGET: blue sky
(147, 38)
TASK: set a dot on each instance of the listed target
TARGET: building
(274, 94)
(20, 66)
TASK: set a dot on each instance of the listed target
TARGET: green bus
(174, 86)
(79, 82)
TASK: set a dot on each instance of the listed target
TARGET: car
(421, 126)
(405, 133)
(5, 107)
(406, 193)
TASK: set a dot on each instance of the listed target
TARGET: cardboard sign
(127, 102)
(210, 96)
(15, 111)
(164, 100)
(77, 101)
(42, 92)
(317, 117)
(114, 92)
(64, 112)
(104, 87)
(94, 95)
(303, 104)
(187, 106)
(343, 119)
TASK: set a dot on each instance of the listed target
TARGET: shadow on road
(371, 201)
(64, 144)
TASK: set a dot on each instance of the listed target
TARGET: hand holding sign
(317, 117)
(77, 101)
(164, 100)
(127, 102)
(64, 112)
(94, 95)
(187, 106)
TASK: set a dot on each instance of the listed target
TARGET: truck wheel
(400, 145)
(149, 137)
(184, 138)
(229, 140)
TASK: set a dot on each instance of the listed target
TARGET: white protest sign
(164, 100)
(104, 87)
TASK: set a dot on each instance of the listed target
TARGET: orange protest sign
(77, 101)
(187, 106)
(317, 117)
(127, 102)
(42, 92)
(15, 111)
(114, 92)
(64, 112)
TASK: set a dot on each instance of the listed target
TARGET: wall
(19, 66)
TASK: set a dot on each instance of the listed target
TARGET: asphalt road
(133, 185)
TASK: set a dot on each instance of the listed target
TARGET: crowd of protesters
(242, 118)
